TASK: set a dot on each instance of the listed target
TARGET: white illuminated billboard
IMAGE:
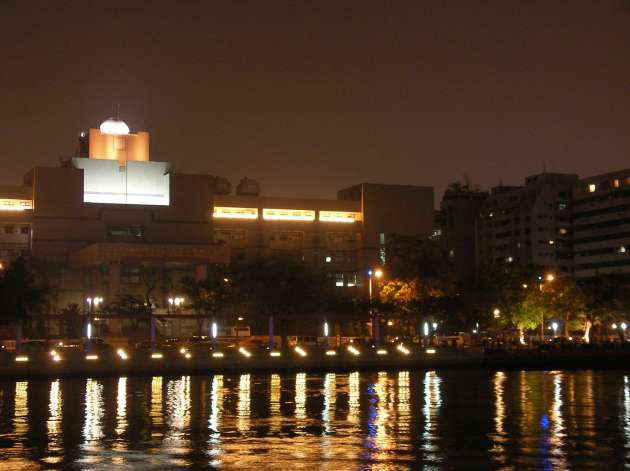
(104, 181)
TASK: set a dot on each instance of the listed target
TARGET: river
(450, 419)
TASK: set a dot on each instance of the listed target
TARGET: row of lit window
(269, 214)
(616, 183)
(349, 279)
(15, 205)
(15, 229)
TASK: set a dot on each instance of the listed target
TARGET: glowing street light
(378, 273)
(554, 326)
(550, 277)
(623, 326)
(496, 313)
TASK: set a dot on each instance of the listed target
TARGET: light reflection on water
(334, 421)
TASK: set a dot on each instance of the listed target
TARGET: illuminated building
(601, 225)
(344, 236)
(527, 225)
(110, 216)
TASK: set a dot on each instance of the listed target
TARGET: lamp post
(378, 273)
(326, 333)
(554, 326)
(549, 277)
(92, 303)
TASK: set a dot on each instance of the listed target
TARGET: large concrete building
(601, 225)
(528, 225)
(114, 222)
(459, 210)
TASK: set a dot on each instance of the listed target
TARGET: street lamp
(554, 326)
(378, 273)
(496, 313)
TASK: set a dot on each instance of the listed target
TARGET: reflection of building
(117, 222)
(601, 225)
(528, 225)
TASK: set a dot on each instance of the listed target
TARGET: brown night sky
(309, 97)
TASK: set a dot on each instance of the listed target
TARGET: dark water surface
(382, 421)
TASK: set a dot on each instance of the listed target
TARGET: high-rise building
(459, 210)
(528, 225)
(601, 225)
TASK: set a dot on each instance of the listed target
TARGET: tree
(71, 318)
(209, 295)
(418, 280)
(280, 286)
(21, 294)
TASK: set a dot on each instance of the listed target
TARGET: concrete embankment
(110, 363)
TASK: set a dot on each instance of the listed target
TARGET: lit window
(451, 253)
(339, 279)
(592, 187)
(510, 259)
(339, 216)
(235, 213)
(352, 280)
(616, 183)
(288, 214)
(562, 231)
(551, 242)
(622, 249)
(328, 259)
(15, 205)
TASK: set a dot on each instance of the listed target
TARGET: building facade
(459, 210)
(116, 223)
(601, 225)
(528, 225)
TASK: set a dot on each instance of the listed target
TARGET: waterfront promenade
(118, 362)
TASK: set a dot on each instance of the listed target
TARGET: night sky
(310, 97)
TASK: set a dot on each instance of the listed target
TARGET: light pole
(549, 277)
(554, 326)
(378, 273)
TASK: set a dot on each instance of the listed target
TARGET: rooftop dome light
(114, 126)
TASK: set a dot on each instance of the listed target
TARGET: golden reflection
(354, 404)
(121, 406)
(556, 439)
(499, 436)
(178, 414)
(20, 411)
(330, 400)
(53, 424)
(156, 406)
(300, 396)
(244, 403)
(275, 392)
(432, 403)
(382, 440)
(404, 407)
(94, 411)
(216, 406)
